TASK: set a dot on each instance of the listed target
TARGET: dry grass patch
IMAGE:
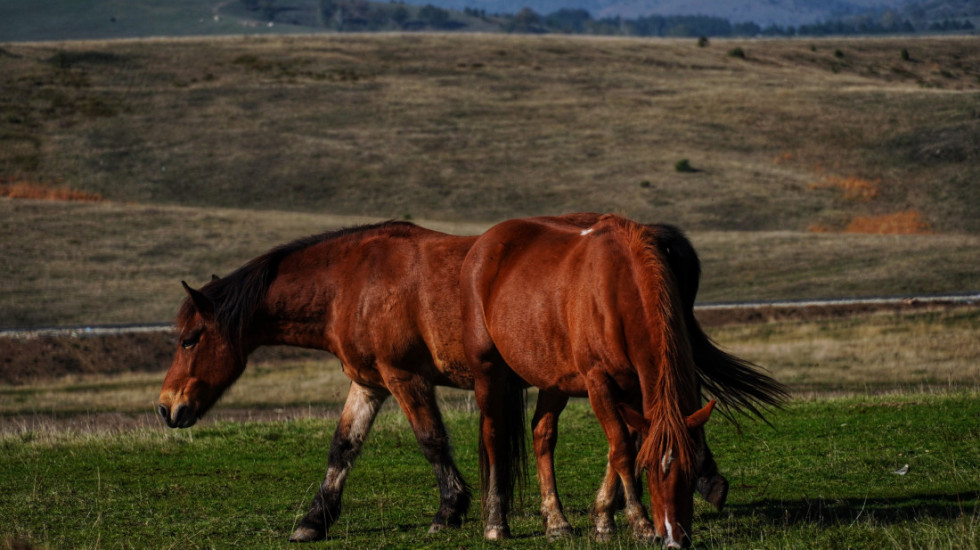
(97, 263)
(866, 353)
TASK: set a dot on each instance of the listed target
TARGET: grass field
(822, 477)
(821, 168)
(87, 464)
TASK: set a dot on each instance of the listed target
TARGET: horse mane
(238, 296)
(669, 383)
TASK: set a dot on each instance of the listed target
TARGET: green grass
(820, 478)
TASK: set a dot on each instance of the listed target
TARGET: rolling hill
(813, 168)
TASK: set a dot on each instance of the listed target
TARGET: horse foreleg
(545, 427)
(622, 460)
(358, 415)
(611, 497)
(607, 500)
(417, 399)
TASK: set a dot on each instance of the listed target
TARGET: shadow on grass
(823, 511)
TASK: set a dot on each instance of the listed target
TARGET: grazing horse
(385, 300)
(591, 312)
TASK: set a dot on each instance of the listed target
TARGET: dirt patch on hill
(17, 189)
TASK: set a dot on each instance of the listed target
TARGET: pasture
(815, 174)
(87, 463)
(822, 477)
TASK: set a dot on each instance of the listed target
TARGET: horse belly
(454, 374)
(541, 362)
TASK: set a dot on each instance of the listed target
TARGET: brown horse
(382, 298)
(385, 300)
(591, 312)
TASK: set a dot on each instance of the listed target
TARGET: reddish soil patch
(910, 222)
(27, 190)
(853, 188)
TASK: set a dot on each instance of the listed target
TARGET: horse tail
(737, 384)
(513, 470)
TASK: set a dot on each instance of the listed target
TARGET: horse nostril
(183, 416)
(163, 411)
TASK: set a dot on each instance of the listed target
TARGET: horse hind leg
(417, 399)
(359, 412)
(545, 428)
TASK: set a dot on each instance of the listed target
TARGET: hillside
(791, 135)
(814, 168)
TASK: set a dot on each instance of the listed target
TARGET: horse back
(389, 298)
(555, 298)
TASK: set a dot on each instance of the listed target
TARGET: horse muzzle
(182, 416)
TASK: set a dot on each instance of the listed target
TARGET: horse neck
(295, 314)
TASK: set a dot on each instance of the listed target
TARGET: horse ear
(699, 417)
(634, 419)
(203, 304)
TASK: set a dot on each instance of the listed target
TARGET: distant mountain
(763, 12)
(24, 20)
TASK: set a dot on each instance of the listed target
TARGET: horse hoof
(307, 534)
(496, 533)
(558, 533)
(436, 527)
(647, 534)
(602, 536)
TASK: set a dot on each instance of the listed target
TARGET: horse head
(672, 485)
(205, 363)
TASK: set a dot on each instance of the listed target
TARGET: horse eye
(190, 342)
